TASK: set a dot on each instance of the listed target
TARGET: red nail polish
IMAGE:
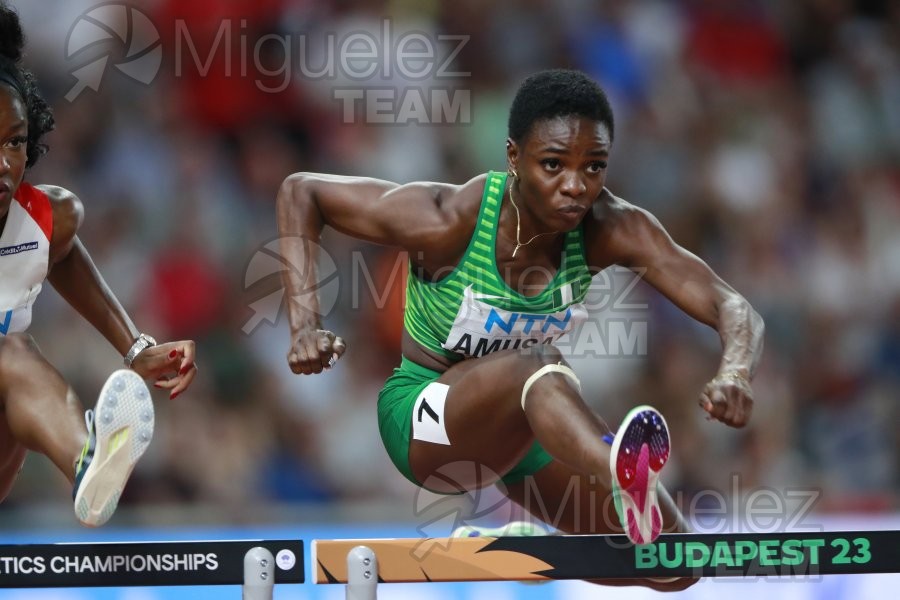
(175, 395)
(173, 353)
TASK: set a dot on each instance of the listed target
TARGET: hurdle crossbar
(606, 556)
(256, 565)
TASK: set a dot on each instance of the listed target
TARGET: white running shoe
(513, 529)
(119, 430)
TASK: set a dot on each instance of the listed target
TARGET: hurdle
(362, 564)
(256, 565)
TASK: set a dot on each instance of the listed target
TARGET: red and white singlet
(24, 256)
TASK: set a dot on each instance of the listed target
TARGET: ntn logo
(507, 321)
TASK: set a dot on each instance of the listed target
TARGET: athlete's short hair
(557, 93)
(22, 82)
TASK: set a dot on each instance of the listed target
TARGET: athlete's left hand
(171, 365)
(728, 398)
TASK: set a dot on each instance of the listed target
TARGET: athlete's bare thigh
(484, 421)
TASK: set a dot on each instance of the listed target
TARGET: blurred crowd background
(765, 136)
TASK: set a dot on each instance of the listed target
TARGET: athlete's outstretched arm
(413, 217)
(76, 278)
(642, 244)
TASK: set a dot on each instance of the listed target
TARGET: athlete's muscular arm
(76, 278)
(417, 217)
(638, 241)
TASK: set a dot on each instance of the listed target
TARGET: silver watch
(142, 342)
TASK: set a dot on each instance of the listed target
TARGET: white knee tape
(558, 368)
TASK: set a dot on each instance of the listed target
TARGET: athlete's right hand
(315, 350)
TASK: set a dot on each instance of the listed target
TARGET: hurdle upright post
(362, 574)
(259, 578)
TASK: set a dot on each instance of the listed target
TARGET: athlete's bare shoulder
(463, 201)
(612, 227)
(65, 204)
(444, 240)
(68, 213)
(611, 210)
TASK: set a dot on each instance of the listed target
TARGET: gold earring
(512, 173)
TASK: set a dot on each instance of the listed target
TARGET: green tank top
(473, 312)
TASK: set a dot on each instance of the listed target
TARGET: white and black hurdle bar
(258, 565)
(363, 564)
(255, 565)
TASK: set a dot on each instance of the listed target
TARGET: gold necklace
(519, 244)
